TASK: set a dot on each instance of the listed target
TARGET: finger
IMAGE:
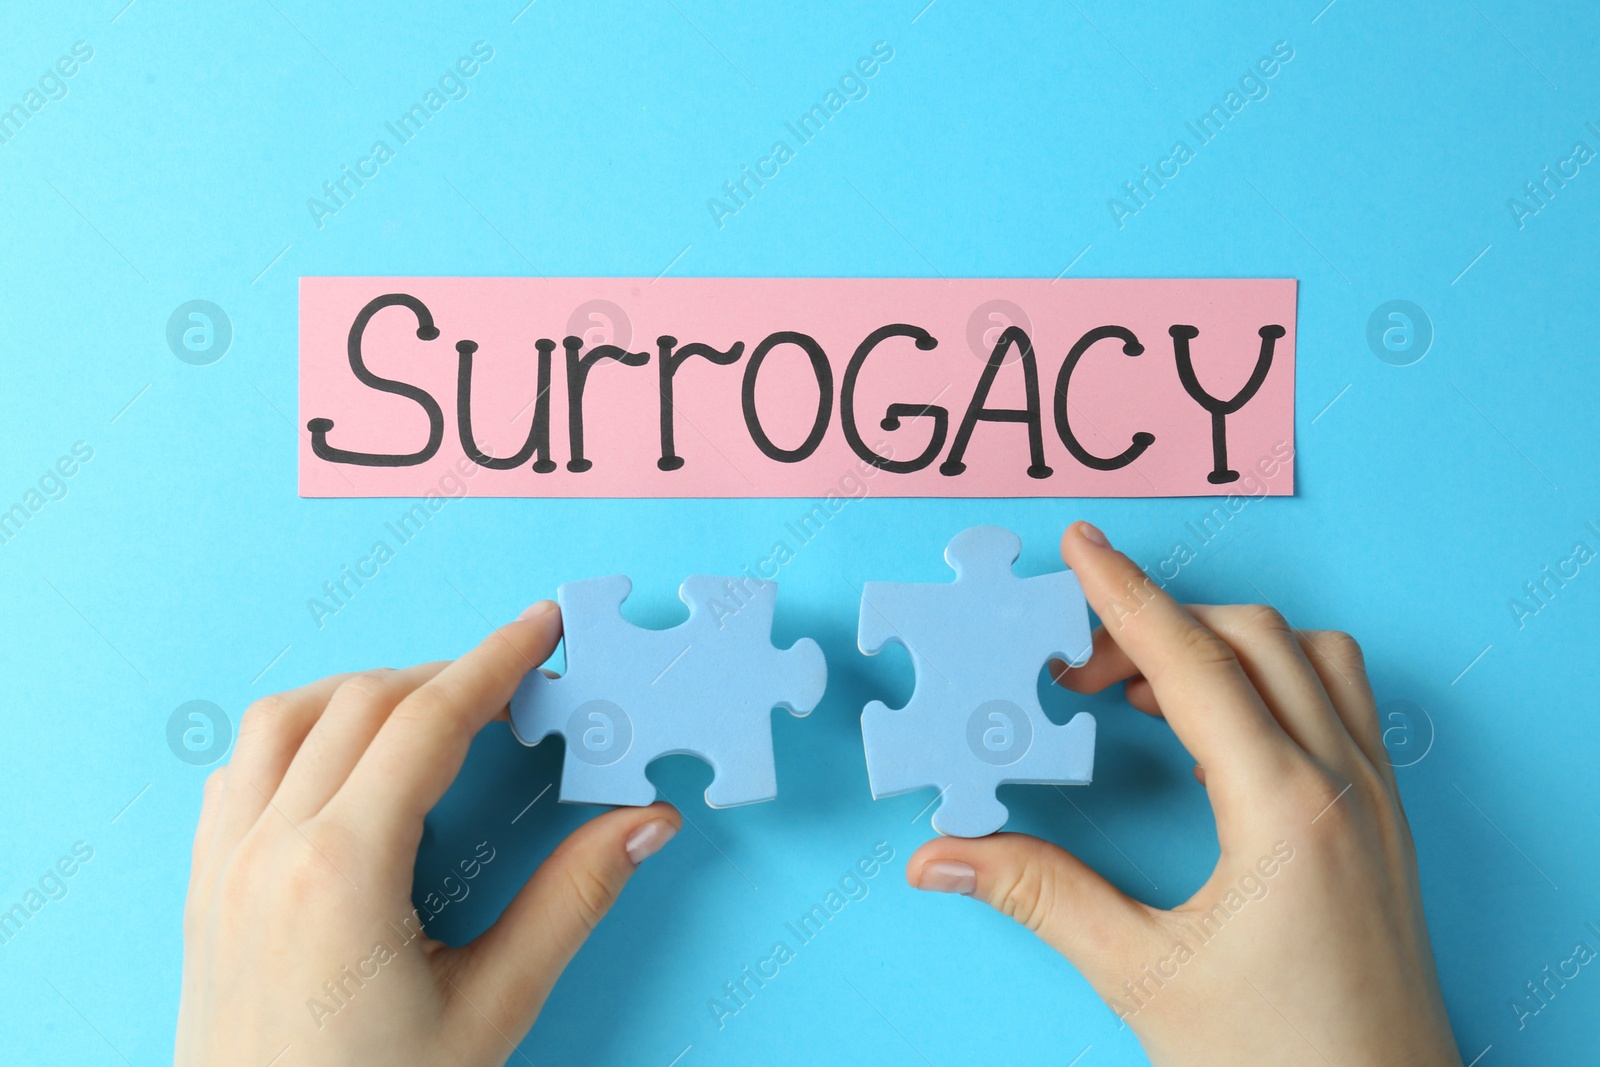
(1207, 699)
(1107, 665)
(269, 735)
(355, 712)
(1139, 693)
(1338, 661)
(509, 970)
(1276, 665)
(1048, 890)
(419, 750)
(206, 827)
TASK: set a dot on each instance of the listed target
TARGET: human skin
(1324, 960)
(307, 840)
(303, 863)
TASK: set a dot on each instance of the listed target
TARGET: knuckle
(434, 705)
(328, 858)
(1261, 621)
(421, 708)
(1029, 895)
(263, 716)
(241, 877)
(1374, 792)
(1308, 785)
(364, 687)
(591, 895)
(1341, 649)
(1201, 647)
(1330, 804)
(362, 683)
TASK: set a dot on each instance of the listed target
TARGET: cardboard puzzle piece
(974, 722)
(706, 687)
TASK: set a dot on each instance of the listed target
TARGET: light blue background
(179, 565)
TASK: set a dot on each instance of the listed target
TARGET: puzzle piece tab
(974, 722)
(706, 688)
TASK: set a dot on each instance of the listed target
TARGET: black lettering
(1141, 440)
(426, 331)
(1013, 335)
(819, 367)
(538, 431)
(541, 409)
(577, 377)
(895, 412)
(667, 364)
(1221, 409)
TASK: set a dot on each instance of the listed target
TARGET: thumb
(507, 973)
(1047, 889)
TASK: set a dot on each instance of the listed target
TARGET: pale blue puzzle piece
(706, 688)
(974, 722)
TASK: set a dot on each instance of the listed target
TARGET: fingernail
(948, 876)
(538, 611)
(647, 840)
(1091, 533)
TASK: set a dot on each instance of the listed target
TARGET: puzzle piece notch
(974, 721)
(704, 688)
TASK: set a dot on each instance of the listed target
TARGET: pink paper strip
(1099, 387)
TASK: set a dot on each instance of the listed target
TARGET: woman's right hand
(1307, 944)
